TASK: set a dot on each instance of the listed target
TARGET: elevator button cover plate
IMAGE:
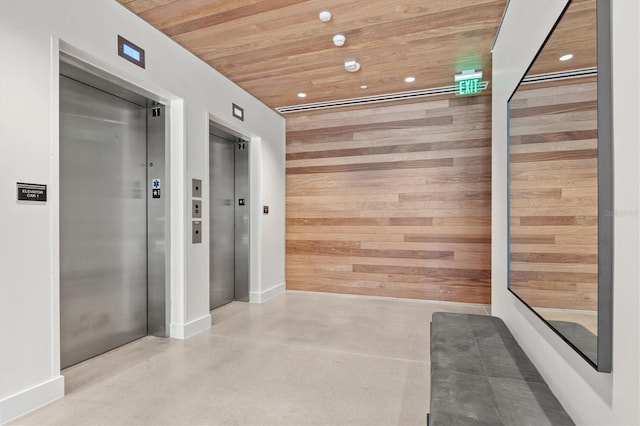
(196, 188)
(196, 234)
(196, 209)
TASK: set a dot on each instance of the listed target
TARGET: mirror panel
(557, 172)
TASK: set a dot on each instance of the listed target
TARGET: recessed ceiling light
(409, 79)
(364, 86)
(566, 57)
(325, 16)
(302, 95)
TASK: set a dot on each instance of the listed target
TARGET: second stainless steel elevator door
(103, 222)
(221, 230)
(229, 220)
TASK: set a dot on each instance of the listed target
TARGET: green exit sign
(469, 86)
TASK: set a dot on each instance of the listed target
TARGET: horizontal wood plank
(377, 205)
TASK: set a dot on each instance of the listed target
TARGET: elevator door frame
(233, 138)
(157, 240)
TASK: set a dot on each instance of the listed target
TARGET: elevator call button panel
(196, 208)
(196, 188)
(196, 234)
(196, 211)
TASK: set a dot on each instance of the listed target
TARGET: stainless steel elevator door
(221, 229)
(103, 245)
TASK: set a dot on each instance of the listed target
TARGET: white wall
(588, 396)
(32, 33)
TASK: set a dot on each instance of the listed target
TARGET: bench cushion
(481, 376)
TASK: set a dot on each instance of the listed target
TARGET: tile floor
(299, 359)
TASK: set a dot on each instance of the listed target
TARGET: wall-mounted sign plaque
(31, 192)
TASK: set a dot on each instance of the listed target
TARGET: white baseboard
(184, 331)
(28, 400)
(261, 297)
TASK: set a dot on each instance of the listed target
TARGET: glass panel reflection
(553, 181)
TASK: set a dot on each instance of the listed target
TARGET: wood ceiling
(277, 48)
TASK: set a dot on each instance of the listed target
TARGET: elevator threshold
(225, 303)
(106, 356)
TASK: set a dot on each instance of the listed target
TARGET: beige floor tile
(299, 359)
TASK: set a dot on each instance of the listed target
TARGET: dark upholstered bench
(481, 376)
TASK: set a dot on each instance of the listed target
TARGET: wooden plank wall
(392, 200)
(554, 196)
